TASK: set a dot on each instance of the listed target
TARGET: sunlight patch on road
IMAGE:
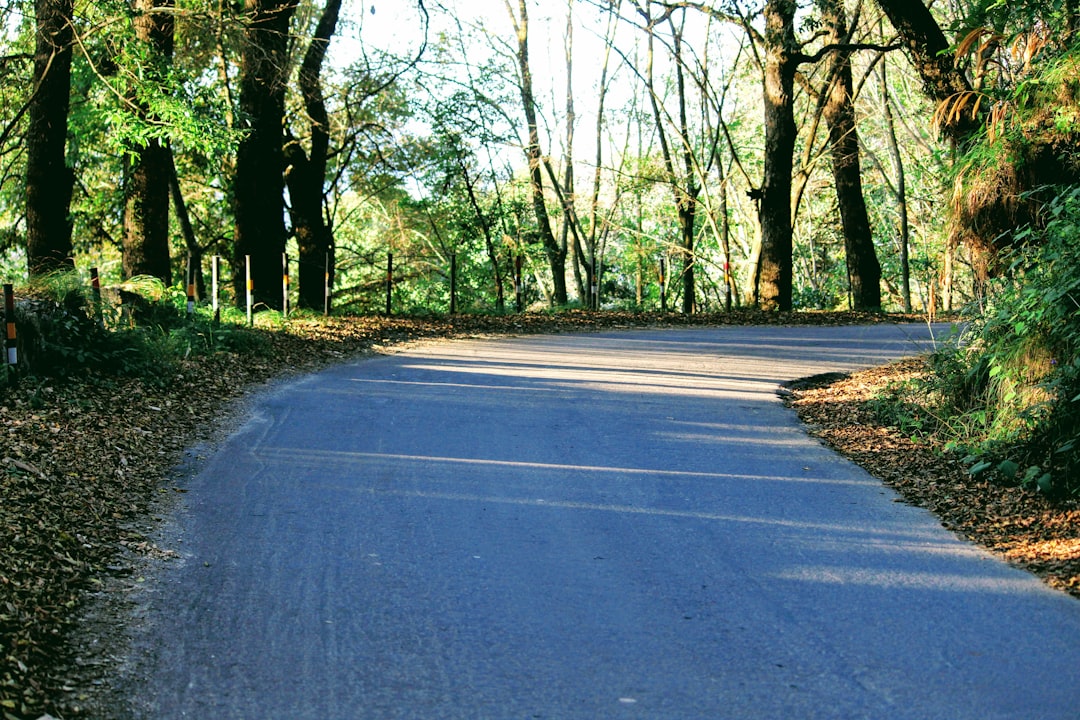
(908, 580)
(338, 457)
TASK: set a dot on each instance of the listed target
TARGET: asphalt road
(616, 525)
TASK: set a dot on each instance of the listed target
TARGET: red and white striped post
(285, 284)
(11, 343)
(190, 287)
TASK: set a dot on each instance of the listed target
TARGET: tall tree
(258, 193)
(306, 176)
(775, 274)
(864, 271)
(556, 252)
(146, 211)
(49, 181)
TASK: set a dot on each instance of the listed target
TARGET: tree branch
(843, 47)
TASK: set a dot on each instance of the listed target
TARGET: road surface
(615, 525)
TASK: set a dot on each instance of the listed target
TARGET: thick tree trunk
(864, 270)
(49, 181)
(259, 203)
(556, 253)
(307, 173)
(146, 209)
(774, 284)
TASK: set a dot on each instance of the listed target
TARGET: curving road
(617, 525)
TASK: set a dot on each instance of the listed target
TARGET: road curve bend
(612, 525)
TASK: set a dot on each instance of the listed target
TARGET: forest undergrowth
(87, 452)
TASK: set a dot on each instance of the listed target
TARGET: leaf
(980, 467)
(1008, 468)
(1046, 483)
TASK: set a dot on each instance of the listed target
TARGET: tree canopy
(609, 153)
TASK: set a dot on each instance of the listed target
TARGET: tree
(864, 271)
(49, 181)
(146, 212)
(774, 282)
(258, 189)
(306, 176)
(556, 252)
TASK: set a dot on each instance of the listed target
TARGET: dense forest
(629, 153)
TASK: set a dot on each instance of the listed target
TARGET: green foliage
(140, 328)
(1007, 391)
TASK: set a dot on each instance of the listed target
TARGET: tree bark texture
(864, 270)
(306, 175)
(774, 287)
(259, 204)
(146, 208)
(49, 181)
(556, 253)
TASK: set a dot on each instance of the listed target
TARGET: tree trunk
(901, 189)
(307, 173)
(774, 288)
(864, 270)
(49, 181)
(146, 208)
(195, 251)
(556, 253)
(259, 203)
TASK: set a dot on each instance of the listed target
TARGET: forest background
(620, 154)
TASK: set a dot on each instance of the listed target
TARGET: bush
(140, 328)
(1007, 391)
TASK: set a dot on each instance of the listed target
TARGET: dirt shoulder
(1020, 525)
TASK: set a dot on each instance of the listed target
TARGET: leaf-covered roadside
(1021, 525)
(82, 460)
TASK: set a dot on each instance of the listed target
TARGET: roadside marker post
(519, 291)
(663, 285)
(250, 289)
(326, 286)
(214, 264)
(190, 288)
(453, 283)
(285, 284)
(389, 283)
(11, 343)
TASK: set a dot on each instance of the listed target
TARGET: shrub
(1007, 391)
